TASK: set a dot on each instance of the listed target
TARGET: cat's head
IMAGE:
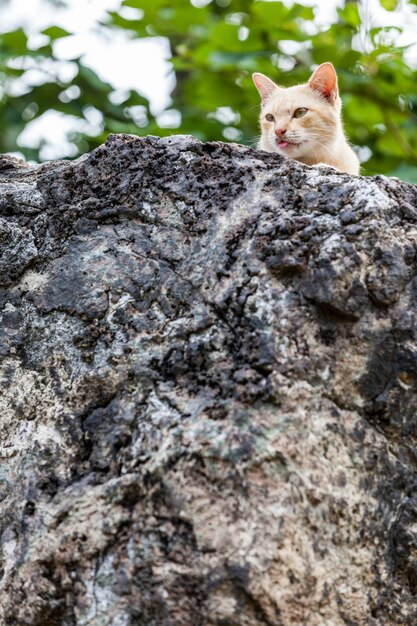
(299, 120)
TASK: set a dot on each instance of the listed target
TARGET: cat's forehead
(286, 100)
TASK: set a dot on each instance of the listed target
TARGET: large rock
(208, 404)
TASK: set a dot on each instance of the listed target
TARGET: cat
(304, 122)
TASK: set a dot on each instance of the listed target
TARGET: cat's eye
(269, 117)
(300, 112)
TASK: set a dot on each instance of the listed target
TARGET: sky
(143, 64)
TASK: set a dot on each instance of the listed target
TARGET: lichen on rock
(208, 407)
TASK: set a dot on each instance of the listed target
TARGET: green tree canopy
(215, 47)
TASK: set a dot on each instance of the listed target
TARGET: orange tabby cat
(304, 122)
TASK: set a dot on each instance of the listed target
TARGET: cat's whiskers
(322, 139)
(317, 132)
(325, 148)
(315, 138)
(254, 142)
(320, 136)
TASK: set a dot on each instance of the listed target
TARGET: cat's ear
(324, 80)
(264, 85)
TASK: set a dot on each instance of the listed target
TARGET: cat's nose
(280, 132)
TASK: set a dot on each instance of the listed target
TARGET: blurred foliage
(215, 46)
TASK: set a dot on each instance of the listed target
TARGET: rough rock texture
(208, 391)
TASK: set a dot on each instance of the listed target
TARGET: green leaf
(389, 5)
(56, 32)
(123, 23)
(350, 14)
(269, 13)
(14, 43)
(301, 12)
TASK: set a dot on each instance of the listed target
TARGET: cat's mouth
(285, 144)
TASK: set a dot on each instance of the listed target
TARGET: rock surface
(208, 400)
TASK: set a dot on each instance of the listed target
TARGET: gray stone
(208, 408)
